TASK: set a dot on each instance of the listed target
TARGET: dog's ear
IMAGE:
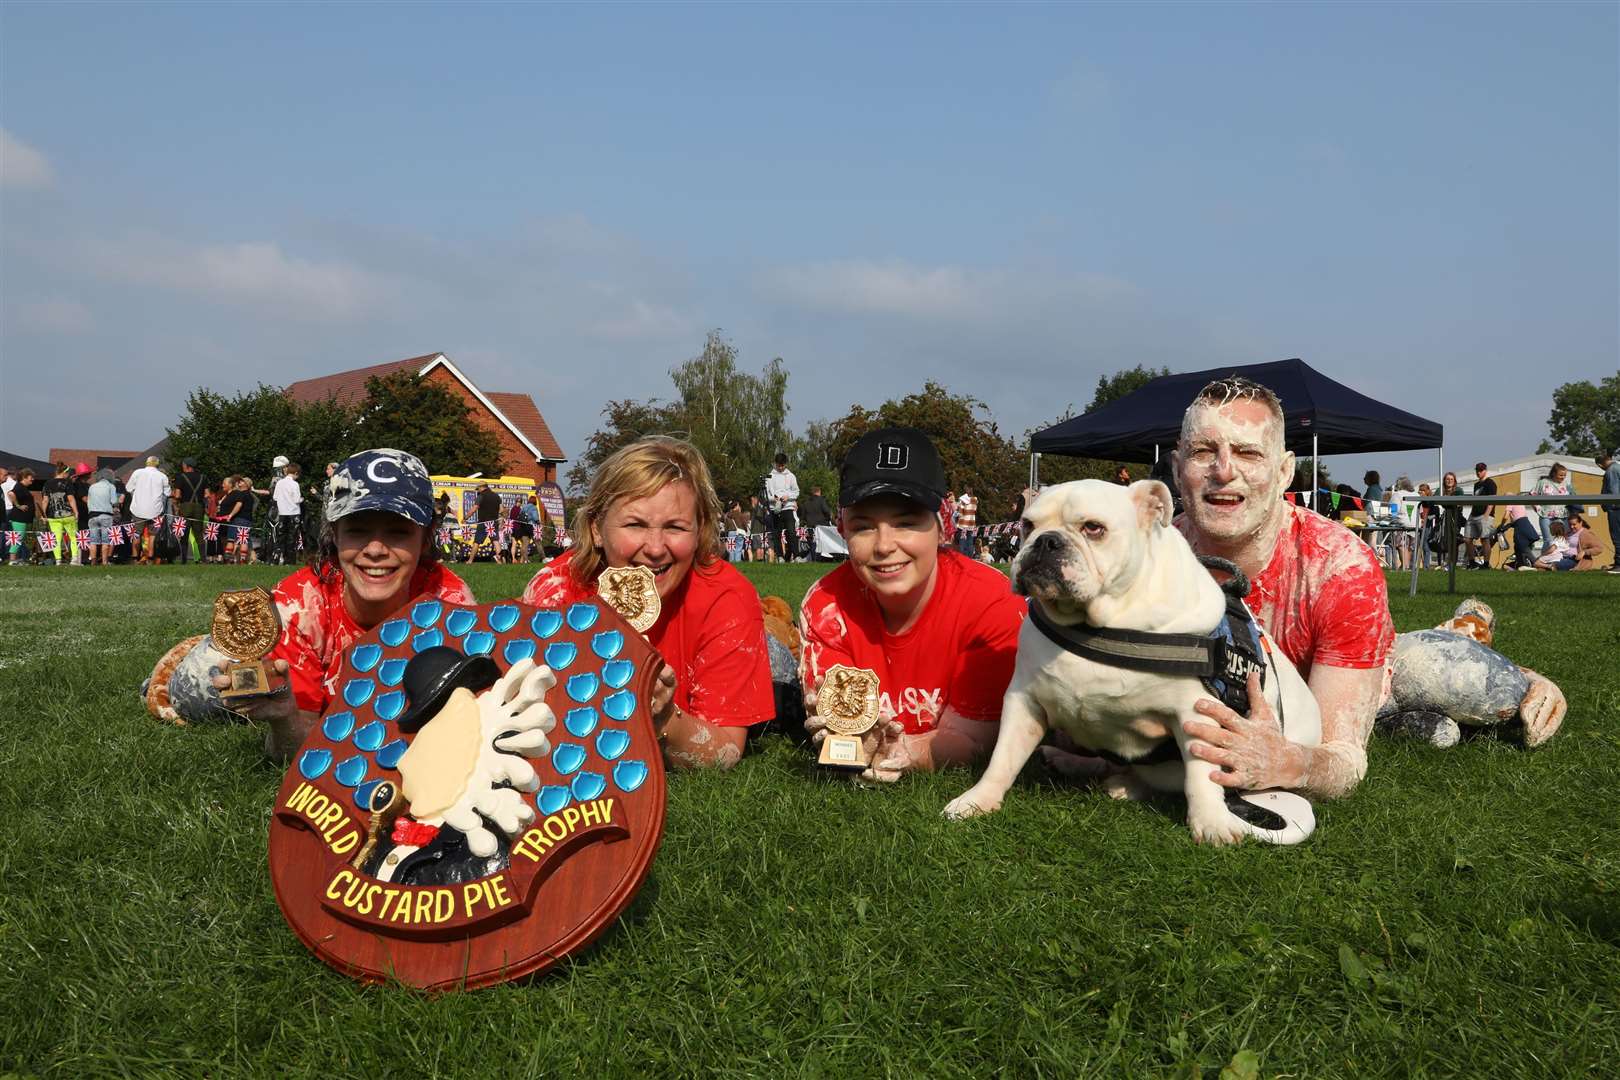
(1153, 503)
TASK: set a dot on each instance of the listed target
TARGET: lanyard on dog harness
(1222, 659)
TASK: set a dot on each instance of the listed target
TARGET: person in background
(289, 502)
(1426, 551)
(1122, 475)
(947, 518)
(216, 548)
(1399, 546)
(782, 489)
(148, 489)
(759, 527)
(1556, 551)
(20, 513)
(814, 511)
(81, 492)
(1583, 543)
(62, 514)
(967, 522)
(488, 525)
(736, 524)
(1522, 524)
(1480, 527)
(526, 530)
(1374, 488)
(237, 510)
(192, 506)
(1611, 486)
(101, 500)
(1556, 482)
(652, 504)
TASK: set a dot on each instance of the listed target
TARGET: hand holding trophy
(245, 628)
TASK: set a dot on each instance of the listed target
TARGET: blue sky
(1422, 201)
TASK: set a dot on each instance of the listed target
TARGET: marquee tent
(1321, 416)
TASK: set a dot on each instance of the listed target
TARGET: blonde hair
(638, 471)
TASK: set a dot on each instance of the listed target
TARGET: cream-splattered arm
(1348, 698)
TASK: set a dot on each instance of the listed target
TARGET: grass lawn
(1458, 916)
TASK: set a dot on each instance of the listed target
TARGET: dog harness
(1222, 659)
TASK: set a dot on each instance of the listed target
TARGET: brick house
(527, 443)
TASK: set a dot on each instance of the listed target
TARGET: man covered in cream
(462, 779)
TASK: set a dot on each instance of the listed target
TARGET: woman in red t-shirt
(652, 504)
(940, 630)
(374, 555)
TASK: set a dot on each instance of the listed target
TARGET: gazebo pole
(1316, 468)
(1034, 471)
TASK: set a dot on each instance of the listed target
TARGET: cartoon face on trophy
(483, 797)
(245, 628)
(848, 702)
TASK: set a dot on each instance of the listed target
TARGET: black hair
(1371, 477)
(781, 459)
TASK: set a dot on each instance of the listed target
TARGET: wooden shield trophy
(484, 796)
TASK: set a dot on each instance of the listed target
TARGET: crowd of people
(937, 627)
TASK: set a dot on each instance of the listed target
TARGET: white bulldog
(1098, 555)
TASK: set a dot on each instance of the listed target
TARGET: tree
(626, 421)
(244, 433)
(407, 412)
(1585, 419)
(738, 420)
(973, 450)
(1111, 388)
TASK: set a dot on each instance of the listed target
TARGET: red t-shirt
(316, 627)
(711, 630)
(959, 654)
(1322, 597)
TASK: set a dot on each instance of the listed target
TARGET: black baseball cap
(892, 461)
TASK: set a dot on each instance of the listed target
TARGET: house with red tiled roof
(529, 446)
(96, 459)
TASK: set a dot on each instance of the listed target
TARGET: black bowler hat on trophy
(432, 675)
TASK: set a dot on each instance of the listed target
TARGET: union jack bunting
(211, 531)
(444, 536)
(178, 527)
(47, 541)
(506, 528)
(240, 533)
(84, 538)
(562, 534)
(13, 538)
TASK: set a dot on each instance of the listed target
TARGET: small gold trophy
(848, 702)
(245, 628)
(632, 591)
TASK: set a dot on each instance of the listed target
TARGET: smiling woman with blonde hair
(652, 504)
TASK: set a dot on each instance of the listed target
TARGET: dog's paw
(971, 803)
(1125, 784)
(1217, 828)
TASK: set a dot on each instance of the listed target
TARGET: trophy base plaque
(249, 678)
(843, 752)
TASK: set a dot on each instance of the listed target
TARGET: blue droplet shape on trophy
(620, 706)
(587, 786)
(338, 725)
(460, 621)
(427, 640)
(559, 654)
(479, 643)
(629, 775)
(607, 644)
(502, 617)
(611, 742)
(582, 687)
(314, 763)
(567, 757)
(546, 623)
(365, 657)
(392, 672)
(518, 649)
(552, 798)
(426, 613)
(358, 691)
(394, 631)
(582, 616)
(580, 722)
(617, 672)
(352, 772)
(371, 736)
(363, 793)
(391, 704)
(388, 757)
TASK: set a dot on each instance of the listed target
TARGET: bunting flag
(241, 533)
(178, 527)
(444, 536)
(1292, 497)
(562, 535)
(13, 538)
(211, 530)
(506, 529)
(1335, 497)
(47, 541)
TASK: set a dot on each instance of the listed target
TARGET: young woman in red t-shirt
(939, 629)
(374, 555)
(653, 504)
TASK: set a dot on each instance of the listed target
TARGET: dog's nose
(1047, 543)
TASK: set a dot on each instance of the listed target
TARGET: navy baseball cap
(381, 479)
(892, 461)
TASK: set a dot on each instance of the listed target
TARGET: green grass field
(1458, 916)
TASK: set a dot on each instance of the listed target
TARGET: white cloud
(21, 165)
(53, 314)
(253, 272)
(949, 293)
(644, 321)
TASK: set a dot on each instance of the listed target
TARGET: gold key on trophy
(848, 703)
(245, 628)
(632, 591)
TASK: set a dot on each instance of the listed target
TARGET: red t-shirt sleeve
(301, 603)
(551, 586)
(985, 665)
(1353, 624)
(445, 584)
(731, 672)
(823, 636)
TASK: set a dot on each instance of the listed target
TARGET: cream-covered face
(658, 532)
(1083, 539)
(1232, 469)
